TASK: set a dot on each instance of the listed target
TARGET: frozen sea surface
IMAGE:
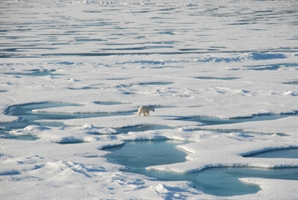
(222, 77)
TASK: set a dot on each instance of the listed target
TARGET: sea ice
(203, 66)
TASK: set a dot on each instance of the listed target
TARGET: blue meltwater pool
(137, 155)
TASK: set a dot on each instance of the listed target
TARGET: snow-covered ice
(221, 76)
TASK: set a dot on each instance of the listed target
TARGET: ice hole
(140, 154)
(137, 155)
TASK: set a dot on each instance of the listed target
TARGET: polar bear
(145, 110)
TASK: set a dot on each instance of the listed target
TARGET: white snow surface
(219, 59)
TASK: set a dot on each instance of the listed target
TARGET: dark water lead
(218, 121)
(108, 103)
(70, 140)
(270, 67)
(155, 83)
(35, 72)
(85, 88)
(280, 153)
(216, 78)
(17, 137)
(291, 82)
(138, 155)
(141, 128)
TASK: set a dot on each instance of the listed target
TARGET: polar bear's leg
(146, 113)
(140, 110)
